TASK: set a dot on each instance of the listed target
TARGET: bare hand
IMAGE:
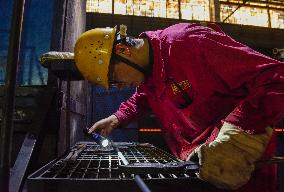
(105, 126)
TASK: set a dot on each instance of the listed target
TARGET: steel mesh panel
(97, 163)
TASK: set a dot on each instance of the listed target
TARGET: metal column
(10, 85)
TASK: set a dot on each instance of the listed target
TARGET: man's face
(123, 75)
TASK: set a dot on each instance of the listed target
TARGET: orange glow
(150, 130)
(278, 129)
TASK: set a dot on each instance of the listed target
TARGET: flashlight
(98, 138)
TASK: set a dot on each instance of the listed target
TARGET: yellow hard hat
(93, 51)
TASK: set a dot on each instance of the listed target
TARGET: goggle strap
(131, 64)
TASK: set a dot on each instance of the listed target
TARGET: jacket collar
(158, 78)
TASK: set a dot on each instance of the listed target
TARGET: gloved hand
(54, 55)
(105, 126)
(228, 161)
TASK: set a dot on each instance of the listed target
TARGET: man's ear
(122, 50)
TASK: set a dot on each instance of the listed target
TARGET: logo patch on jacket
(183, 84)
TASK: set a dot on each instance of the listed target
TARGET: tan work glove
(54, 55)
(228, 161)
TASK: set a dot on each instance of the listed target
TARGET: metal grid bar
(98, 163)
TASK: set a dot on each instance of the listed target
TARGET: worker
(216, 99)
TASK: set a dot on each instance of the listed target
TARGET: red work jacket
(226, 81)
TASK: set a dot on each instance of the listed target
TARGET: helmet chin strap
(131, 64)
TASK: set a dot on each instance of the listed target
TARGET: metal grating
(96, 163)
(102, 169)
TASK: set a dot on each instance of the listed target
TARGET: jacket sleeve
(133, 108)
(238, 67)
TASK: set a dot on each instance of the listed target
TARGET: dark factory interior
(45, 108)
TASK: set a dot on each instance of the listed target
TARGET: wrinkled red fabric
(227, 82)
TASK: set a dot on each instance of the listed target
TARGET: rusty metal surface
(75, 152)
